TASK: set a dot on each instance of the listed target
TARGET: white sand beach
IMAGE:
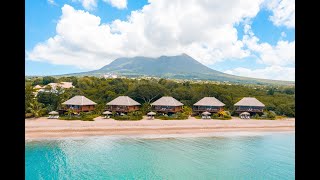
(39, 128)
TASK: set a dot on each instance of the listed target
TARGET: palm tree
(36, 108)
(29, 95)
(70, 111)
(222, 113)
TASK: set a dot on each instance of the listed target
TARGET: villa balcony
(256, 110)
(118, 109)
(167, 109)
(203, 109)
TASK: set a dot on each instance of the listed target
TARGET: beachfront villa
(250, 105)
(208, 104)
(79, 104)
(167, 104)
(123, 104)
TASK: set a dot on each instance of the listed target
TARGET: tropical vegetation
(278, 99)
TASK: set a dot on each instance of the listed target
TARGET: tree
(187, 110)
(270, 91)
(36, 108)
(48, 99)
(147, 92)
(99, 108)
(29, 96)
(182, 93)
(48, 79)
(286, 109)
(70, 111)
(289, 91)
(37, 81)
(222, 113)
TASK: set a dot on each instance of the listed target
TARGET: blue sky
(255, 38)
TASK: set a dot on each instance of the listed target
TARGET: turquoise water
(269, 156)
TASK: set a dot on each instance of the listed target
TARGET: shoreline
(43, 128)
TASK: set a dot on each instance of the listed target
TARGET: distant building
(110, 75)
(167, 104)
(37, 87)
(64, 85)
(123, 104)
(79, 104)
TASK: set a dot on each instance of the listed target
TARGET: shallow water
(263, 156)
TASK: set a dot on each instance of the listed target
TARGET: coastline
(43, 128)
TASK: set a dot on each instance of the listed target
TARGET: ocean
(227, 156)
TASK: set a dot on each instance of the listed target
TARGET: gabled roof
(167, 101)
(209, 101)
(123, 101)
(249, 101)
(79, 100)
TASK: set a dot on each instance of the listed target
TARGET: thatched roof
(123, 101)
(79, 100)
(209, 101)
(249, 101)
(167, 101)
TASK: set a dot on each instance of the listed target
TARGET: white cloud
(201, 29)
(283, 34)
(282, 54)
(271, 72)
(51, 2)
(120, 4)
(88, 4)
(283, 12)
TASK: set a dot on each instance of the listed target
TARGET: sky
(252, 38)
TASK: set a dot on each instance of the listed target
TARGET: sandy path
(50, 128)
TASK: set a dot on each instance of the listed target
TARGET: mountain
(177, 67)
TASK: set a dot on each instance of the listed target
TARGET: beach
(43, 128)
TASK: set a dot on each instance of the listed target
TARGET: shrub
(28, 115)
(187, 110)
(226, 116)
(227, 113)
(134, 118)
(121, 117)
(88, 117)
(271, 115)
(135, 115)
(280, 117)
(145, 108)
(215, 116)
(176, 116)
(68, 118)
(256, 116)
(84, 116)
